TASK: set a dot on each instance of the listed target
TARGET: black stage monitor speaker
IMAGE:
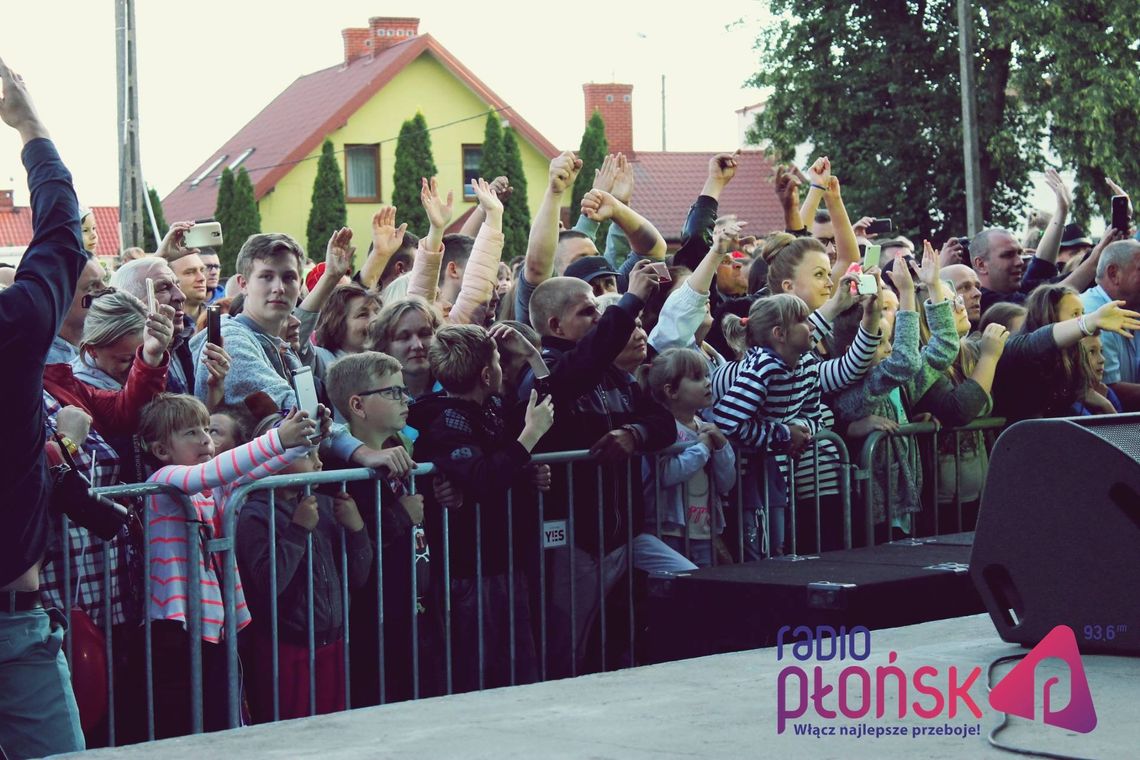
(1058, 536)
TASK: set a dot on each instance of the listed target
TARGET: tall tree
(883, 101)
(516, 211)
(592, 151)
(413, 162)
(149, 242)
(494, 161)
(245, 218)
(327, 212)
(223, 212)
(1075, 66)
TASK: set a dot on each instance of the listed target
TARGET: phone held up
(214, 326)
(1121, 213)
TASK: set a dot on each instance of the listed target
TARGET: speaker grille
(1122, 432)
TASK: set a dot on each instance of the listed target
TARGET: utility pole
(662, 113)
(973, 167)
(131, 189)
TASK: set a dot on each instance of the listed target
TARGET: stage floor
(720, 706)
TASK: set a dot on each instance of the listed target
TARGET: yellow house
(389, 72)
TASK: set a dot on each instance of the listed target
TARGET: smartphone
(306, 389)
(151, 303)
(203, 235)
(214, 326)
(662, 270)
(880, 227)
(871, 259)
(1121, 213)
(867, 285)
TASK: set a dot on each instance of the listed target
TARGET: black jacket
(479, 453)
(254, 560)
(592, 397)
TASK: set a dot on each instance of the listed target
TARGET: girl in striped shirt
(175, 430)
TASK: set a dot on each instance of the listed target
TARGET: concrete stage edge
(720, 706)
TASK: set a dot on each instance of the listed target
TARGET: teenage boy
(464, 433)
(595, 411)
(368, 390)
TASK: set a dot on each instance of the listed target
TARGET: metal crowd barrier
(558, 534)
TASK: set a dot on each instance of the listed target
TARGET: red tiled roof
(16, 228)
(667, 183)
(295, 123)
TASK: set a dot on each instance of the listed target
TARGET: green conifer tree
(223, 213)
(592, 152)
(327, 211)
(150, 245)
(494, 161)
(245, 219)
(413, 162)
(516, 211)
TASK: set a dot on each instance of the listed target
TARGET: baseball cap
(590, 268)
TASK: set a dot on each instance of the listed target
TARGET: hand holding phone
(306, 390)
(214, 326)
(1121, 213)
(880, 227)
(661, 269)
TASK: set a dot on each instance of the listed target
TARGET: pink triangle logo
(1015, 693)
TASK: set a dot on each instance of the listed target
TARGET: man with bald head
(967, 285)
(1118, 279)
(131, 278)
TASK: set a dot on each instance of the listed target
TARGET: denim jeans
(38, 713)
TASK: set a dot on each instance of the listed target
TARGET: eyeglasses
(213, 267)
(392, 393)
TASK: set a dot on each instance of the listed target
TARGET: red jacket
(112, 412)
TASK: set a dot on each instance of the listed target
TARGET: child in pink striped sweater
(175, 430)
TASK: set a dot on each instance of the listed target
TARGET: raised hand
(953, 253)
(386, 236)
(930, 273)
(832, 193)
(598, 205)
(438, 211)
(623, 180)
(1115, 318)
(605, 176)
(501, 187)
(159, 333)
(727, 235)
(564, 170)
(16, 108)
(722, 166)
(1115, 188)
(1060, 190)
(643, 281)
(172, 245)
(339, 253)
(819, 173)
(217, 364)
(488, 201)
(787, 187)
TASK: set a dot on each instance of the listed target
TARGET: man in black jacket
(38, 714)
(595, 408)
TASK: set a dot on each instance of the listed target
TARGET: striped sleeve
(256, 459)
(738, 413)
(835, 374)
(820, 327)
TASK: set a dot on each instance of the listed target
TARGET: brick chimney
(6, 202)
(357, 43)
(615, 103)
(391, 30)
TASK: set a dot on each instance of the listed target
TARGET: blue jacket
(31, 310)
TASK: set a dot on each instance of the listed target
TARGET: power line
(194, 182)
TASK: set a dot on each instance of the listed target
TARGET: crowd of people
(741, 348)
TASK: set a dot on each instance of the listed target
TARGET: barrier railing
(582, 583)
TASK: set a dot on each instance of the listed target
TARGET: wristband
(819, 187)
(1081, 323)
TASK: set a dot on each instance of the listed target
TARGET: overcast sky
(207, 67)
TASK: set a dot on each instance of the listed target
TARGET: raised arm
(424, 280)
(818, 175)
(386, 240)
(502, 189)
(846, 246)
(787, 185)
(482, 272)
(543, 239)
(644, 238)
(338, 263)
(1050, 244)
